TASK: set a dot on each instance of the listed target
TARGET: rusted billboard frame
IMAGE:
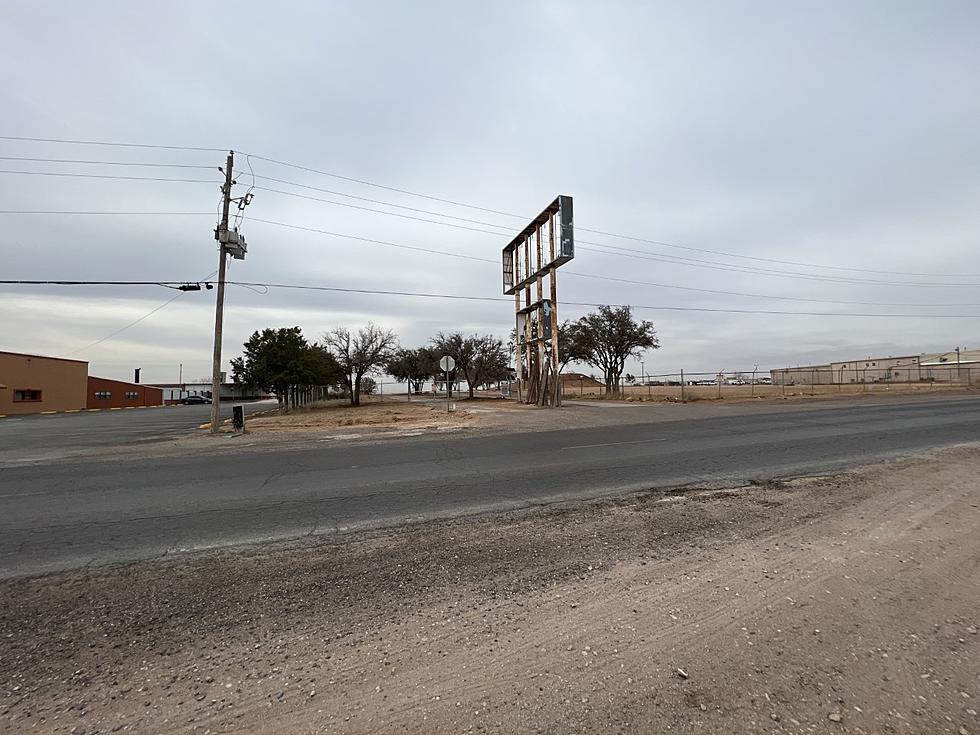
(524, 264)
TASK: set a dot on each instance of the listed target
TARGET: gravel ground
(839, 604)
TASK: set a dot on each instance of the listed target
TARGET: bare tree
(360, 354)
(481, 359)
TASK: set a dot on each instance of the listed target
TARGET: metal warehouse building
(957, 368)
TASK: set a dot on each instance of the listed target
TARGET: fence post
(683, 399)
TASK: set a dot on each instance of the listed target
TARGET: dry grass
(749, 392)
(373, 413)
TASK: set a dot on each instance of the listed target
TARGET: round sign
(447, 363)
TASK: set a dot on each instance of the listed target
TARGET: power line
(774, 260)
(111, 214)
(474, 207)
(662, 257)
(710, 265)
(123, 329)
(610, 249)
(576, 273)
(133, 323)
(372, 201)
(377, 211)
(465, 297)
(371, 240)
(111, 143)
(382, 186)
(716, 292)
(594, 304)
(165, 284)
(107, 163)
(630, 252)
(108, 176)
(604, 232)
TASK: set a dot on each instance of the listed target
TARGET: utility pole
(221, 235)
(230, 242)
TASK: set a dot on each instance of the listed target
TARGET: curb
(81, 410)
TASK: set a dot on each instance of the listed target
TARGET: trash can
(238, 417)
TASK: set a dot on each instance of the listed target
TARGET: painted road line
(614, 444)
(47, 413)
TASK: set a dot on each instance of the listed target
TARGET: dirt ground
(378, 420)
(375, 413)
(839, 604)
(582, 391)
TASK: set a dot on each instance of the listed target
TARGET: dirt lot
(373, 413)
(842, 604)
(582, 391)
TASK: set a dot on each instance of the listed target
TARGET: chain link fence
(688, 386)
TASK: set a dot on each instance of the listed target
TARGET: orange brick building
(106, 393)
(36, 384)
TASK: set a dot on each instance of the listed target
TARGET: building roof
(947, 359)
(125, 383)
(41, 357)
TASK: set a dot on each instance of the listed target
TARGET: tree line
(282, 361)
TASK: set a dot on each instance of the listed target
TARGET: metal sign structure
(546, 243)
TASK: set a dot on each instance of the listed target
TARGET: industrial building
(957, 367)
(106, 393)
(39, 384)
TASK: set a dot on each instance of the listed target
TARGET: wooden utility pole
(220, 297)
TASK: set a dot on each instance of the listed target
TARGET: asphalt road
(26, 437)
(72, 513)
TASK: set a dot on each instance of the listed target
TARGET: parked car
(195, 400)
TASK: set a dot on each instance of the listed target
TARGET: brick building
(38, 384)
(106, 393)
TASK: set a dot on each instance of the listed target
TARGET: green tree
(359, 354)
(607, 337)
(281, 361)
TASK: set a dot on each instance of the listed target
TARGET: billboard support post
(526, 260)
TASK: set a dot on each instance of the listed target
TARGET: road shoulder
(767, 608)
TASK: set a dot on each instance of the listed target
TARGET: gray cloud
(837, 134)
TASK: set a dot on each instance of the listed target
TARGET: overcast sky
(836, 134)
